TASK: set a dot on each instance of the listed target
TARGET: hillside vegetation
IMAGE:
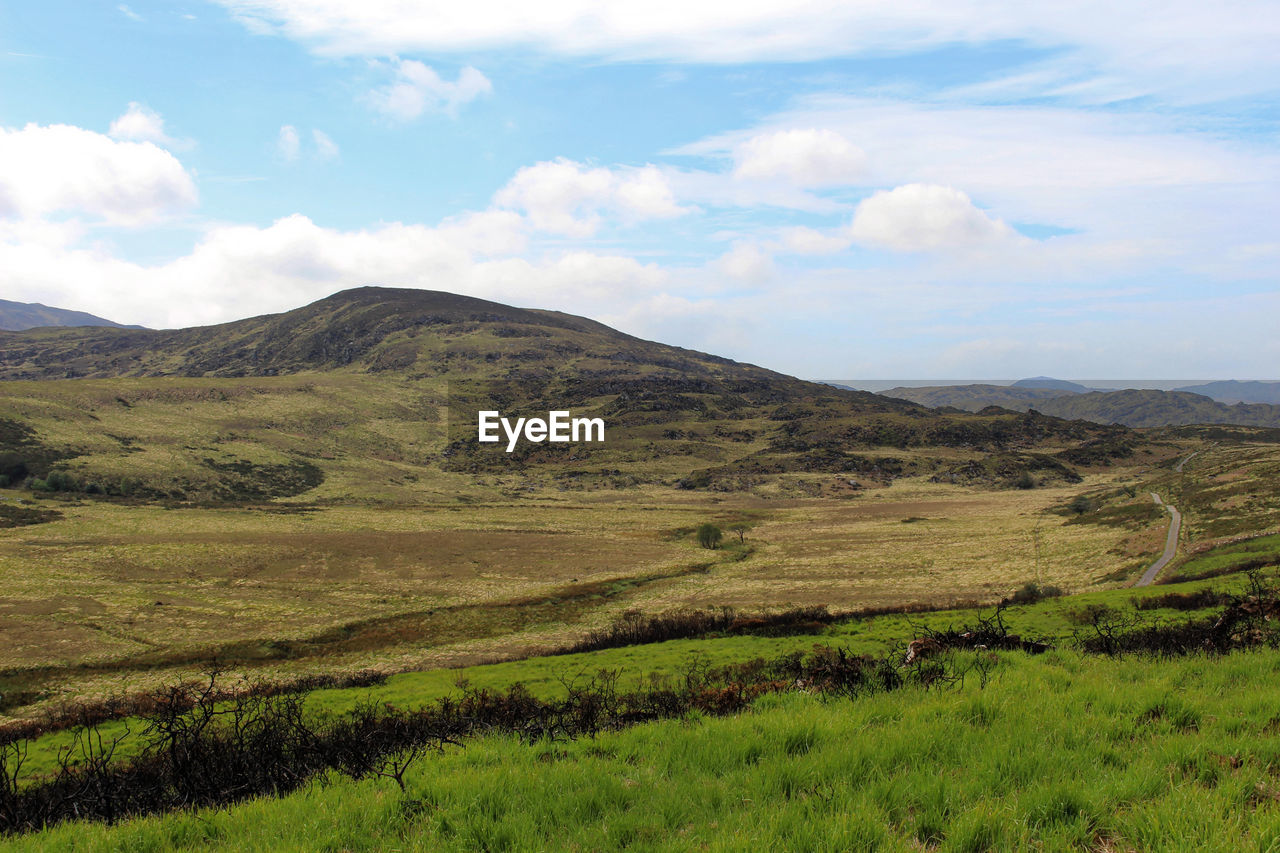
(971, 749)
(1133, 407)
(372, 394)
(424, 643)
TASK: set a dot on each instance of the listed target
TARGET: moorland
(300, 496)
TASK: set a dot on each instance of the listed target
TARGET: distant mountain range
(1131, 407)
(1046, 382)
(17, 316)
(1232, 391)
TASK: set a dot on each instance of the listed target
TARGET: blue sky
(869, 189)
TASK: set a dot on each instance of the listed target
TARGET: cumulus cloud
(808, 157)
(241, 270)
(1107, 175)
(417, 89)
(288, 143)
(58, 168)
(746, 262)
(139, 124)
(926, 217)
(565, 197)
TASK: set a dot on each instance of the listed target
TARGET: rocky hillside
(373, 394)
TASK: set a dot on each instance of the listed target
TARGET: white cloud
(925, 217)
(58, 168)
(139, 124)
(288, 143)
(128, 13)
(326, 148)
(802, 240)
(808, 157)
(1185, 47)
(1111, 175)
(490, 232)
(565, 197)
(242, 270)
(417, 88)
(746, 262)
(721, 189)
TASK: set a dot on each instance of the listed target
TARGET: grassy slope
(416, 587)
(377, 389)
(1057, 752)
(142, 588)
(1053, 620)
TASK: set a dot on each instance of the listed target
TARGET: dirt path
(1170, 542)
(1178, 467)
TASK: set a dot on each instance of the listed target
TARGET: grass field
(289, 526)
(1054, 620)
(1057, 752)
(141, 589)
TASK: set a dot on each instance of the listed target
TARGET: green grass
(1058, 752)
(546, 677)
(1227, 558)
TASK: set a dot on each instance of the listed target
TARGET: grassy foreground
(1056, 752)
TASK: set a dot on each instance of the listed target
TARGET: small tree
(740, 528)
(709, 535)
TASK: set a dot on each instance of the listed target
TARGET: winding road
(1178, 467)
(1170, 542)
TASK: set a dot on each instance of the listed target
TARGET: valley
(302, 499)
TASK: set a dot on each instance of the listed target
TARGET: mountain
(1049, 382)
(373, 394)
(16, 316)
(974, 398)
(1132, 407)
(1148, 408)
(1232, 391)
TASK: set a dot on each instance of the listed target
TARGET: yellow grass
(122, 588)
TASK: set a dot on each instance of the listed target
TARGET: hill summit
(419, 333)
(374, 392)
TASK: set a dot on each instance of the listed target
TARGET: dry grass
(912, 542)
(111, 591)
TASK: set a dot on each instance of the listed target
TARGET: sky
(833, 189)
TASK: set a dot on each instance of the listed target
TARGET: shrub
(709, 535)
(61, 481)
(199, 748)
(1031, 592)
